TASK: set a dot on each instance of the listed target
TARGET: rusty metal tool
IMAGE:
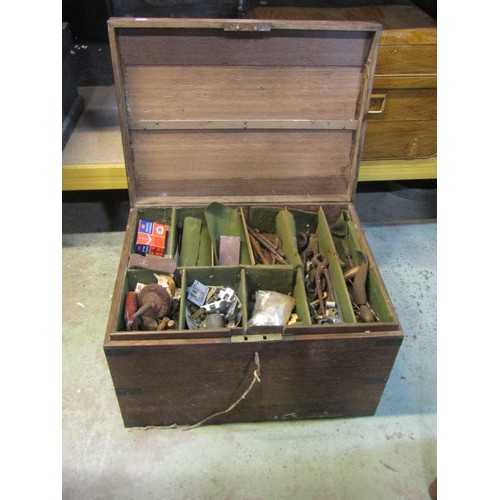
(351, 273)
(266, 244)
(322, 280)
(257, 249)
(359, 290)
(154, 301)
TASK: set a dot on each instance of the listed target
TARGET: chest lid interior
(242, 111)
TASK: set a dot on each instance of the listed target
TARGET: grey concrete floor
(391, 455)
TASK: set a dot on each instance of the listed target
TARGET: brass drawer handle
(378, 102)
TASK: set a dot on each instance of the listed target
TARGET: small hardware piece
(238, 26)
(166, 324)
(166, 281)
(204, 302)
(215, 320)
(229, 250)
(198, 293)
(351, 273)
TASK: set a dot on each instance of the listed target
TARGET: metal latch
(257, 337)
(247, 26)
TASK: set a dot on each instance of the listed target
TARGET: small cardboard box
(230, 126)
(151, 238)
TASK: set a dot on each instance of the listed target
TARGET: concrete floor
(391, 455)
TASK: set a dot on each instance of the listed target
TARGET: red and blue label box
(151, 237)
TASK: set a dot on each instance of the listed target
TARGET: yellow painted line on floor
(398, 170)
(82, 177)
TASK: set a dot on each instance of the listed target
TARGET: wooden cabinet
(402, 122)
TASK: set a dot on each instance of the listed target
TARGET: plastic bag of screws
(271, 308)
(212, 307)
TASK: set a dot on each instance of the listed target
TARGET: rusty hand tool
(257, 249)
(359, 290)
(322, 277)
(351, 273)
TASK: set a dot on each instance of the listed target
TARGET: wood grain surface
(300, 378)
(241, 92)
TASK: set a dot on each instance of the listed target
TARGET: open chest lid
(242, 111)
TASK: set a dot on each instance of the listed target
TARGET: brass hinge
(235, 26)
(257, 337)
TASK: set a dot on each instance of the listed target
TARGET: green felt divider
(205, 250)
(190, 244)
(283, 279)
(243, 296)
(279, 221)
(182, 303)
(155, 214)
(227, 276)
(171, 249)
(301, 302)
(287, 232)
(197, 250)
(327, 247)
(304, 218)
(376, 298)
(263, 218)
(277, 278)
(344, 231)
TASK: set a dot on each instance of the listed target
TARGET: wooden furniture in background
(402, 123)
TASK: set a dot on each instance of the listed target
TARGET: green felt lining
(226, 221)
(283, 279)
(134, 276)
(287, 232)
(190, 245)
(155, 214)
(281, 222)
(226, 276)
(344, 225)
(327, 247)
(197, 258)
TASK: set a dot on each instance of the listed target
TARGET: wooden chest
(234, 133)
(402, 123)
